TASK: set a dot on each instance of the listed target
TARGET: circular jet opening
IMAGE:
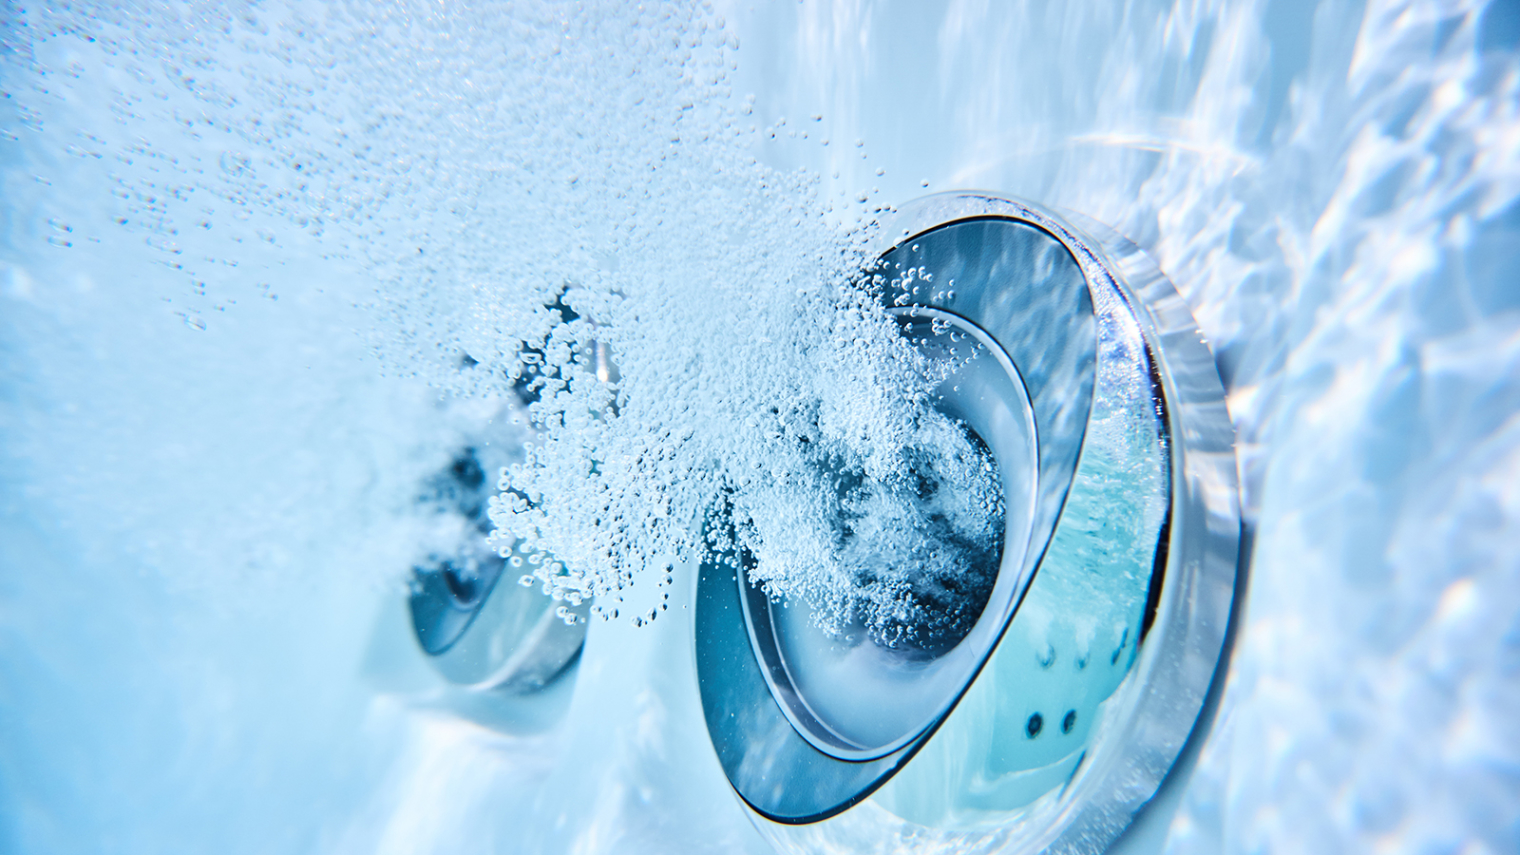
(869, 690)
(445, 600)
(464, 589)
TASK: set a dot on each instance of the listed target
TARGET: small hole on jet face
(1069, 721)
(1034, 725)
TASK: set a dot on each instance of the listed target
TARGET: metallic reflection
(1097, 666)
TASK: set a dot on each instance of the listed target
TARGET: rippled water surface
(265, 268)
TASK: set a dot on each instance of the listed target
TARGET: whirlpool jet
(1044, 703)
(1051, 715)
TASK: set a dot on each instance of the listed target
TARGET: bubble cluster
(558, 204)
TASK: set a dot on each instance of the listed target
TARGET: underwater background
(244, 250)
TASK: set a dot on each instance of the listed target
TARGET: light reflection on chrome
(1110, 626)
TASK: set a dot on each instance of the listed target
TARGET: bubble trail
(557, 204)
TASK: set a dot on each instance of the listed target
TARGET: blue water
(244, 249)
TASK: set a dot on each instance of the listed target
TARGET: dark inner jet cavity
(923, 552)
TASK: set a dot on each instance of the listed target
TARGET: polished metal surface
(857, 700)
(1028, 293)
(446, 599)
(478, 626)
(1068, 720)
(1184, 646)
(512, 637)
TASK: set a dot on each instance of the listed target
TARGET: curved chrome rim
(1186, 641)
(512, 637)
(476, 622)
(954, 668)
(504, 635)
(1165, 687)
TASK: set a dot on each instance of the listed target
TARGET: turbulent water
(254, 255)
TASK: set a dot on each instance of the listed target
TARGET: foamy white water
(240, 244)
